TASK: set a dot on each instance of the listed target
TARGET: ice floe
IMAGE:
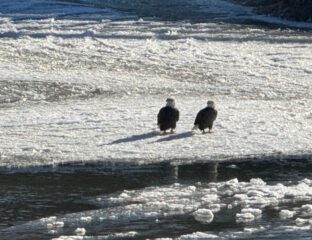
(162, 203)
(203, 215)
(286, 213)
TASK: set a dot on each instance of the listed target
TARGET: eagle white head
(211, 104)
(170, 102)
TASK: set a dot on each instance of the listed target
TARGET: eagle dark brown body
(206, 117)
(168, 116)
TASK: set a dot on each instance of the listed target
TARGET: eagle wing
(160, 116)
(177, 115)
(216, 114)
(199, 117)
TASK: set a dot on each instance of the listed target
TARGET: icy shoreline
(124, 130)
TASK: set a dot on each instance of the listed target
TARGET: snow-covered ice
(89, 89)
(81, 84)
(123, 129)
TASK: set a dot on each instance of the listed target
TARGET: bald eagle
(206, 117)
(168, 116)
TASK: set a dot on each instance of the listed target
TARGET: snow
(90, 130)
(83, 85)
(88, 89)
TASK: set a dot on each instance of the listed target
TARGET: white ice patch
(284, 214)
(80, 231)
(117, 236)
(203, 215)
(256, 212)
(301, 221)
(306, 210)
(69, 238)
(199, 236)
(130, 67)
(87, 131)
(86, 219)
(244, 217)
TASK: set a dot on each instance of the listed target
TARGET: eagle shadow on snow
(134, 138)
(176, 136)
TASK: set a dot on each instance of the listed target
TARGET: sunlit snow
(81, 84)
(81, 97)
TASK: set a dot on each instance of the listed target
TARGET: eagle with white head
(206, 117)
(168, 116)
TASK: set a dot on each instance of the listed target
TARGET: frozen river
(81, 83)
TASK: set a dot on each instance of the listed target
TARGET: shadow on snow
(151, 134)
(176, 137)
(134, 138)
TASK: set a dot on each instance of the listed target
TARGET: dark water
(27, 197)
(173, 10)
(193, 11)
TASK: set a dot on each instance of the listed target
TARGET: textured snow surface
(81, 84)
(123, 129)
(85, 87)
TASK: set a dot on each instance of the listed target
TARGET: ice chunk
(286, 214)
(86, 219)
(257, 181)
(199, 236)
(203, 215)
(48, 219)
(50, 225)
(306, 181)
(80, 231)
(301, 221)
(215, 207)
(192, 188)
(254, 211)
(307, 210)
(244, 217)
(59, 224)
